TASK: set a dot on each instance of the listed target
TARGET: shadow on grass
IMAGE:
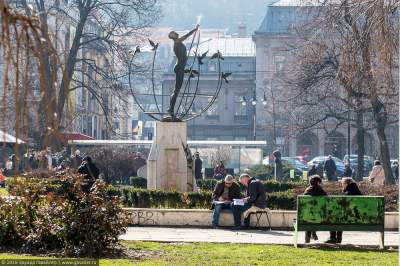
(349, 247)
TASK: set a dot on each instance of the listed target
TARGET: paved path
(164, 234)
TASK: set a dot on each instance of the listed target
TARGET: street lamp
(253, 102)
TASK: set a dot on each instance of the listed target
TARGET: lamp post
(253, 102)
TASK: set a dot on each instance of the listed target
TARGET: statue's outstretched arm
(184, 37)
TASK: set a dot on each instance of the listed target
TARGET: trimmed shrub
(282, 196)
(140, 198)
(138, 182)
(206, 184)
(269, 185)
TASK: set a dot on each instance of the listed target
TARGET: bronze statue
(181, 60)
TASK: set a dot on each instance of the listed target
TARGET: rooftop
(285, 15)
(297, 3)
(237, 47)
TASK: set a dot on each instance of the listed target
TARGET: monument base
(167, 165)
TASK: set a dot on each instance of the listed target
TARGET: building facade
(231, 117)
(273, 40)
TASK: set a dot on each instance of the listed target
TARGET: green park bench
(340, 213)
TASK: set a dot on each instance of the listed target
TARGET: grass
(245, 254)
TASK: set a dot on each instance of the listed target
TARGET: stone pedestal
(167, 167)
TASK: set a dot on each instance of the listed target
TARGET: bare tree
(103, 26)
(344, 68)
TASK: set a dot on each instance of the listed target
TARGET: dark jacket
(330, 166)
(90, 173)
(348, 172)
(234, 191)
(352, 189)
(256, 191)
(198, 165)
(315, 191)
(312, 171)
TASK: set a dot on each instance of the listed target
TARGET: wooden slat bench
(340, 213)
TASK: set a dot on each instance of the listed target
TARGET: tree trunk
(384, 148)
(360, 146)
(71, 62)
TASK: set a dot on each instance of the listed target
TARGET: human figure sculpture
(181, 60)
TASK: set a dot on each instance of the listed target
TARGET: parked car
(320, 161)
(367, 166)
(355, 157)
(296, 164)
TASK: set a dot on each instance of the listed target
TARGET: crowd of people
(47, 161)
(376, 176)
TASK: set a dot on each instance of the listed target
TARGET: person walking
(377, 175)
(330, 169)
(395, 170)
(198, 166)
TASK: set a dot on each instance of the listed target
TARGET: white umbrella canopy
(7, 138)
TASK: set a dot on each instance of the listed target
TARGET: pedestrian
(90, 173)
(278, 165)
(348, 172)
(312, 171)
(395, 170)
(330, 169)
(255, 197)
(224, 193)
(350, 188)
(219, 171)
(9, 167)
(314, 189)
(76, 159)
(377, 175)
(198, 166)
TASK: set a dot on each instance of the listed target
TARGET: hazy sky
(182, 14)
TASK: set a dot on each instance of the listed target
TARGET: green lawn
(243, 254)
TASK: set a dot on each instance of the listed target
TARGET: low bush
(281, 196)
(269, 185)
(140, 198)
(43, 216)
(138, 182)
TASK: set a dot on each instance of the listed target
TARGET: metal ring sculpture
(188, 93)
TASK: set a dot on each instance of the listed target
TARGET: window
(240, 109)
(212, 67)
(213, 110)
(279, 61)
(89, 126)
(116, 124)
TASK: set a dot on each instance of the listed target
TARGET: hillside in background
(182, 14)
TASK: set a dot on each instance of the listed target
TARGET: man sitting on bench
(255, 197)
(223, 195)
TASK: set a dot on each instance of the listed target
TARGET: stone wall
(194, 217)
